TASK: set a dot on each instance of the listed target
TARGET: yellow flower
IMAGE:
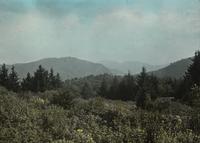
(80, 130)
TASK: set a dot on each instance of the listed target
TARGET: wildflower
(80, 130)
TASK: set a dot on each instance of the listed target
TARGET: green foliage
(75, 114)
(64, 98)
(127, 88)
(147, 89)
(194, 99)
(13, 80)
(4, 76)
(87, 91)
(57, 116)
(27, 83)
(103, 90)
(41, 81)
(194, 70)
(191, 79)
(9, 80)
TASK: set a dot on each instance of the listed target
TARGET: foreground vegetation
(100, 109)
(40, 118)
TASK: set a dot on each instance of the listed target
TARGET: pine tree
(113, 91)
(4, 76)
(103, 90)
(153, 86)
(191, 78)
(142, 92)
(52, 80)
(13, 80)
(127, 88)
(195, 96)
(193, 72)
(40, 80)
(58, 82)
(87, 91)
(27, 83)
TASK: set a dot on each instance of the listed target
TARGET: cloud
(57, 28)
(140, 36)
(85, 8)
(13, 6)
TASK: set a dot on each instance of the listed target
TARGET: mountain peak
(68, 67)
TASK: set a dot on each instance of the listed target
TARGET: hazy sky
(152, 31)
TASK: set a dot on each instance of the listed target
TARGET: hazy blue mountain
(174, 70)
(68, 67)
(129, 66)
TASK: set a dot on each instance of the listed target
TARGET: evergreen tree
(127, 88)
(4, 76)
(193, 72)
(153, 86)
(87, 91)
(13, 80)
(113, 91)
(103, 91)
(194, 99)
(52, 80)
(58, 82)
(27, 83)
(192, 77)
(40, 80)
(142, 91)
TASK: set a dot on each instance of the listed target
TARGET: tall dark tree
(4, 76)
(13, 80)
(191, 79)
(87, 91)
(193, 72)
(27, 83)
(40, 80)
(113, 91)
(141, 88)
(153, 86)
(58, 81)
(103, 90)
(52, 80)
(127, 88)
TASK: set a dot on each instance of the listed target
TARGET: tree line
(143, 88)
(146, 88)
(40, 81)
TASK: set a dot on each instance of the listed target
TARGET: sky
(150, 31)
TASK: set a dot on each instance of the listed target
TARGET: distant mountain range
(133, 67)
(174, 70)
(70, 67)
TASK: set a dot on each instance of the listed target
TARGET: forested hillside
(133, 67)
(67, 67)
(174, 70)
(105, 108)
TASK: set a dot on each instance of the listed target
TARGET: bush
(58, 118)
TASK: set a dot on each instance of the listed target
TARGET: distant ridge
(68, 67)
(174, 70)
(71, 67)
(133, 67)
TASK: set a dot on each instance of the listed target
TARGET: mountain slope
(68, 67)
(129, 66)
(174, 70)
